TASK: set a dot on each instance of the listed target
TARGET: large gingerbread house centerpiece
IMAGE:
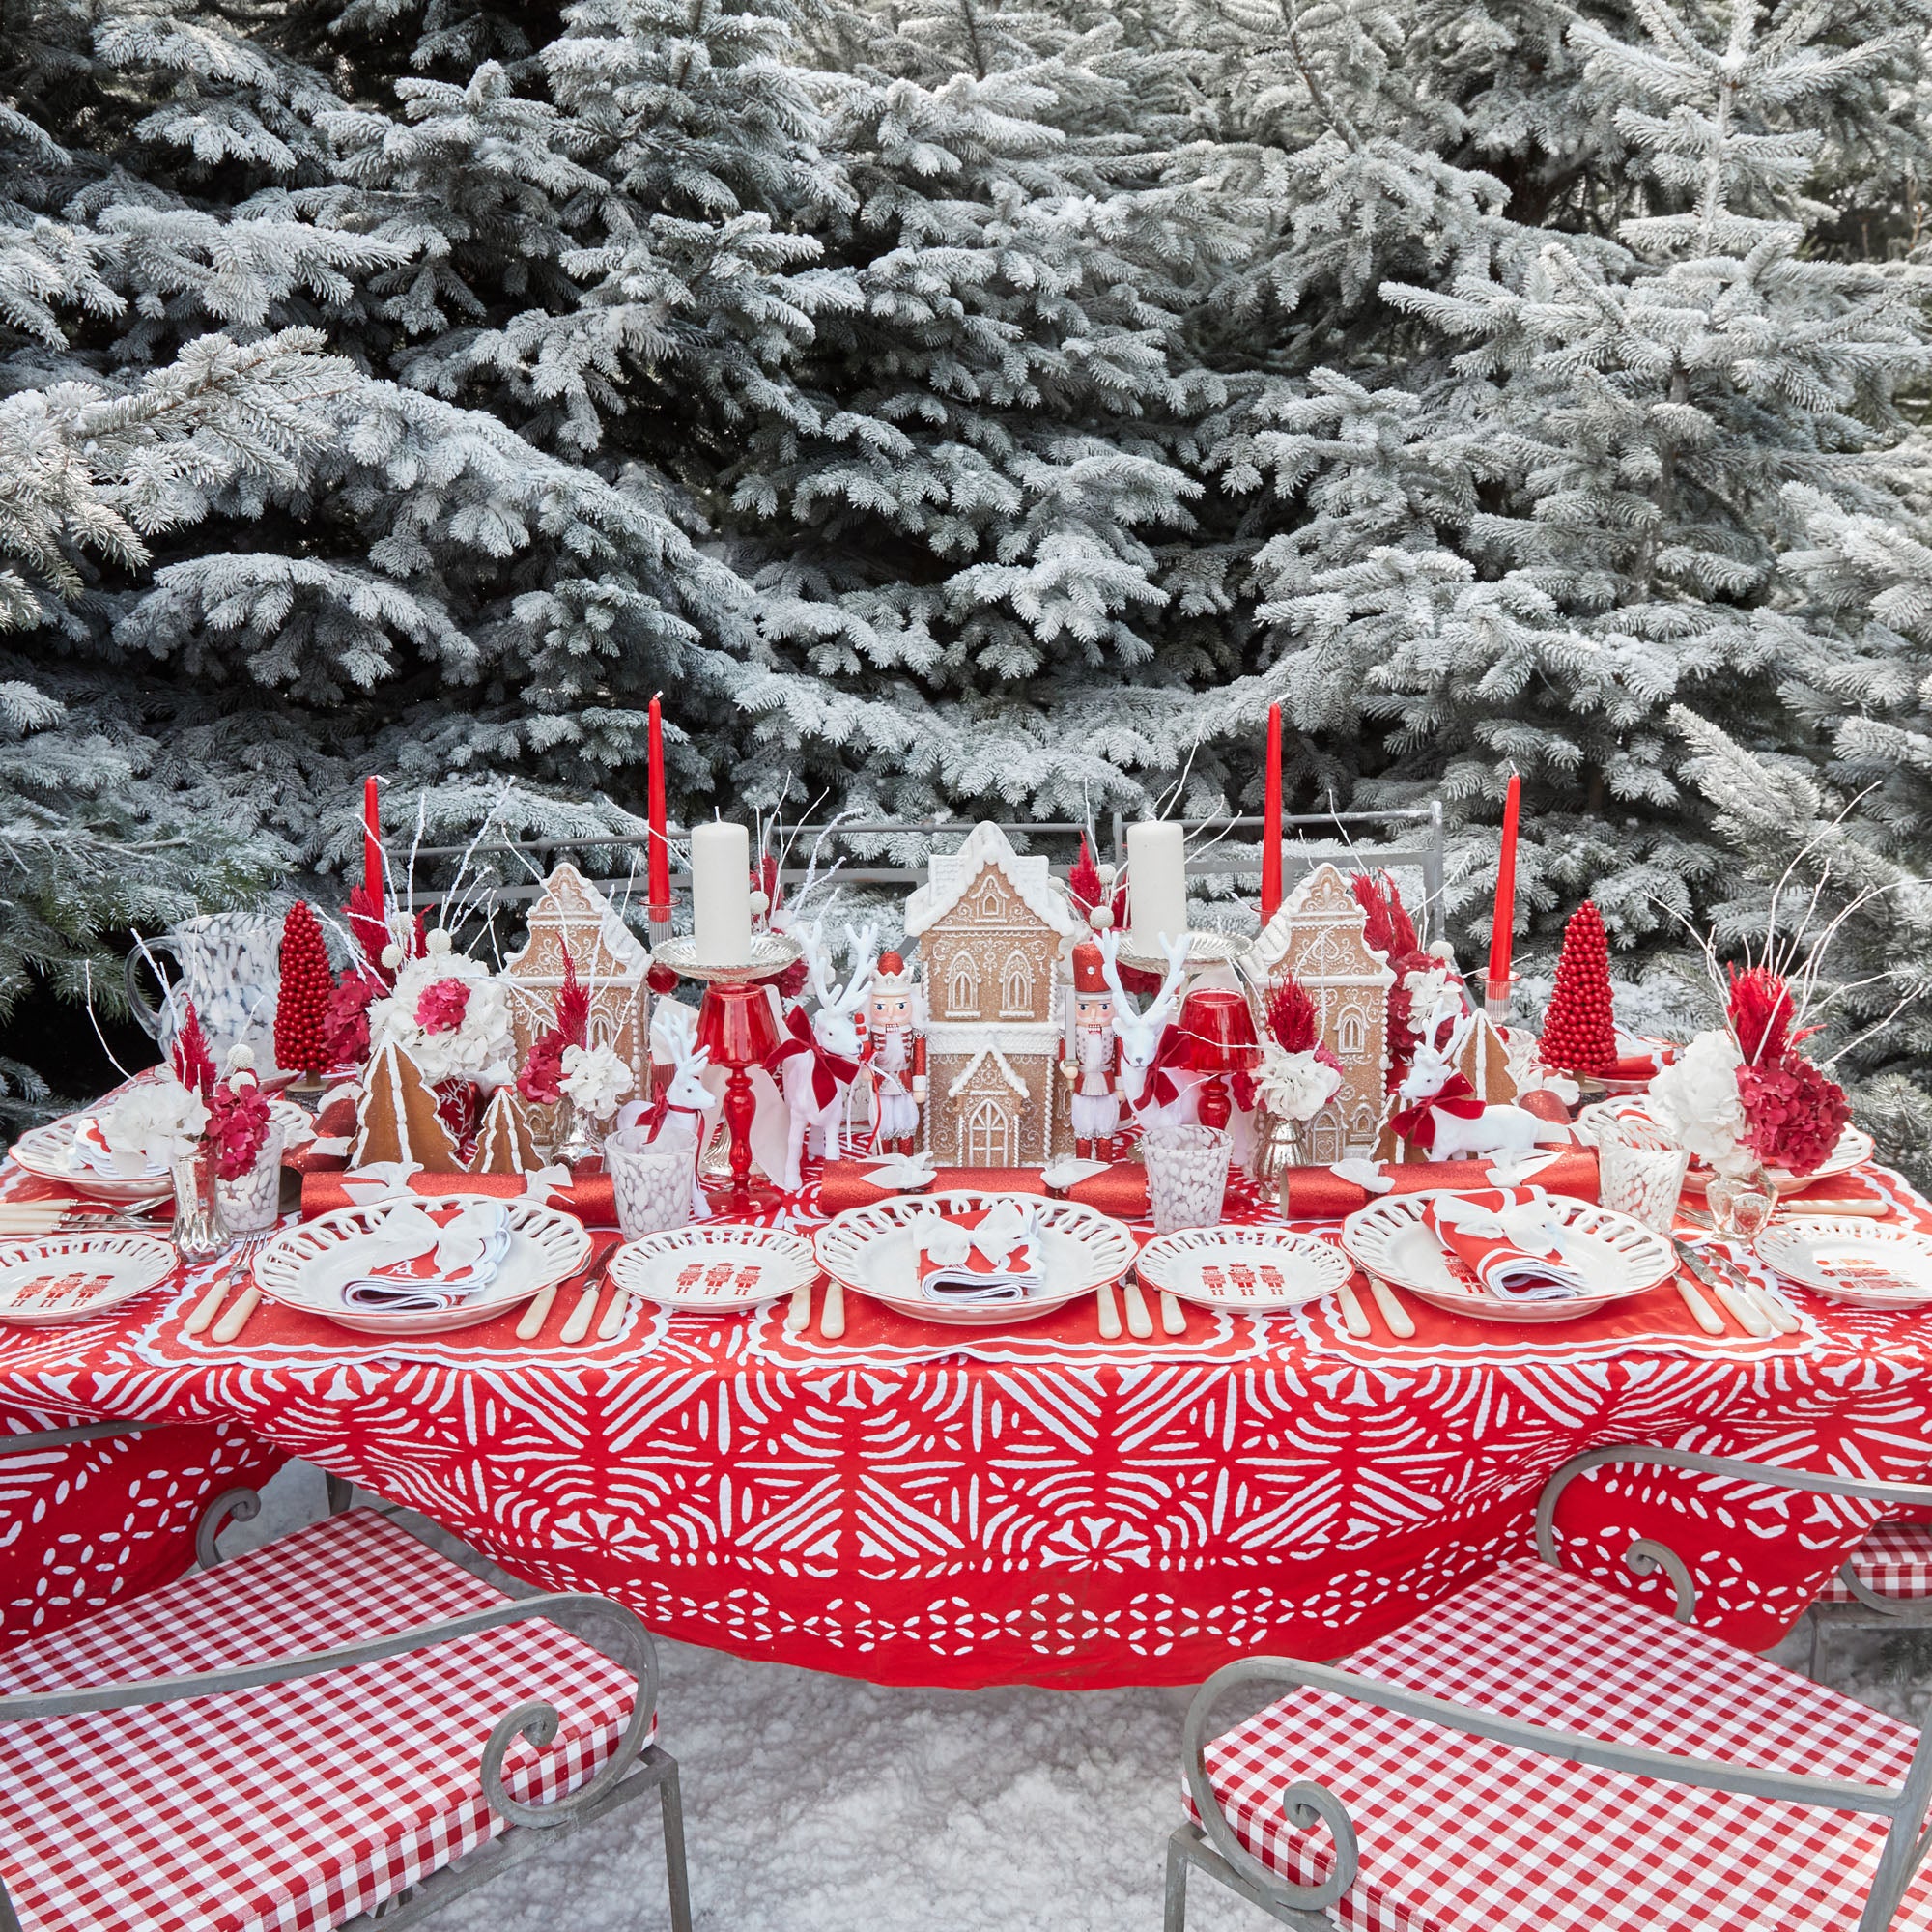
(572, 916)
(1317, 935)
(992, 930)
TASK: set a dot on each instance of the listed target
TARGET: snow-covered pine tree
(1558, 510)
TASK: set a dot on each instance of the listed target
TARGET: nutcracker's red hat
(1088, 968)
(889, 976)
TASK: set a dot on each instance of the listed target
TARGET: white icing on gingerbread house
(1317, 935)
(572, 915)
(992, 930)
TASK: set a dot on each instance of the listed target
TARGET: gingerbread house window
(987, 1136)
(962, 986)
(1352, 1034)
(1016, 986)
(989, 902)
(1326, 1140)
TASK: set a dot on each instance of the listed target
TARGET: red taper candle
(372, 842)
(1502, 931)
(658, 872)
(1271, 821)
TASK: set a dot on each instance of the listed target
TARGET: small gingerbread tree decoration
(1578, 1031)
(301, 1007)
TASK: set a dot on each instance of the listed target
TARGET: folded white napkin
(464, 1254)
(996, 1260)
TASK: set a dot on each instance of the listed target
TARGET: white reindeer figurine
(805, 1070)
(1140, 1033)
(1508, 1133)
(691, 1091)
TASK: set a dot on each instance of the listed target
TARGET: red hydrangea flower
(1794, 1113)
(345, 1025)
(238, 1124)
(540, 1083)
(442, 1006)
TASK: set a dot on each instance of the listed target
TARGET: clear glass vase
(1742, 1204)
(197, 1231)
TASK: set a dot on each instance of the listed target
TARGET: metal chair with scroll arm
(293, 1739)
(1537, 1753)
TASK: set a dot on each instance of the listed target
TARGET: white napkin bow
(903, 1172)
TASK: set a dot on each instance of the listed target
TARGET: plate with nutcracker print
(61, 1278)
(1244, 1271)
(1850, 1261)
(714, 1270)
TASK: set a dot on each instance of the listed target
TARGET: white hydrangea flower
(595, 1079)
(1694, 1100)
(478, 1047)
(1294, 1085)
(154, 1122)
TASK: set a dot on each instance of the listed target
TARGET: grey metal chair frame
(635, 1768)
(1212, 1846)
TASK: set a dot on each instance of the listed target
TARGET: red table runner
(1048, 1507)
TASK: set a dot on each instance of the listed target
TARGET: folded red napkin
(1508, 1238)
(590, 1200)
(1320, 1194)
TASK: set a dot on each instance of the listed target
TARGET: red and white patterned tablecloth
(1050, 1509)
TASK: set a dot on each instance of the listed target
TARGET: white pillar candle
(721, 894)
(1157, 883)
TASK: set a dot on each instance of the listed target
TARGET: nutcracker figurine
(895, 1053)
(1089, 1065)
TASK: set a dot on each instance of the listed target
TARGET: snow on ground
(815, 1803)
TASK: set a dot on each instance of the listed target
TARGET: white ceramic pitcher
(230, 966)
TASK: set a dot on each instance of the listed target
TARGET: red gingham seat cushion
(1459, 1834)
(294, 1805)
(1895, 1559)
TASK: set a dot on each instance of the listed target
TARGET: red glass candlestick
(735, 1022)
(1221, 1039)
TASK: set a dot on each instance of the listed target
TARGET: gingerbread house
(572, 915)
(993, 930)
(1317, 935)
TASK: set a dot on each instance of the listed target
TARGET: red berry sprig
(1579, 1030)
(303, 1005)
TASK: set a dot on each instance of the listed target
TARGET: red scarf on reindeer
(1416, 1125)
(829, 1070)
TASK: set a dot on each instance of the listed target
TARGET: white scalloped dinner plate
(1244, 1271)
(871, 1249)
(714, 1267)
(1816, 1251)
(54, 1279)
(295, 1268)
(1617, 1256)
(1855, 1147)
(47, 1153)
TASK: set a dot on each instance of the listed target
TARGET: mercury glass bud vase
(197, 1231)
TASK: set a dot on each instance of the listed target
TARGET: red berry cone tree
(1578, 1031)
(303, 1005)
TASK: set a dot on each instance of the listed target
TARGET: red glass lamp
(1221, 1039)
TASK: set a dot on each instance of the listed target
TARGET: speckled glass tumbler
(1187, 1176)
(651, 1179)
